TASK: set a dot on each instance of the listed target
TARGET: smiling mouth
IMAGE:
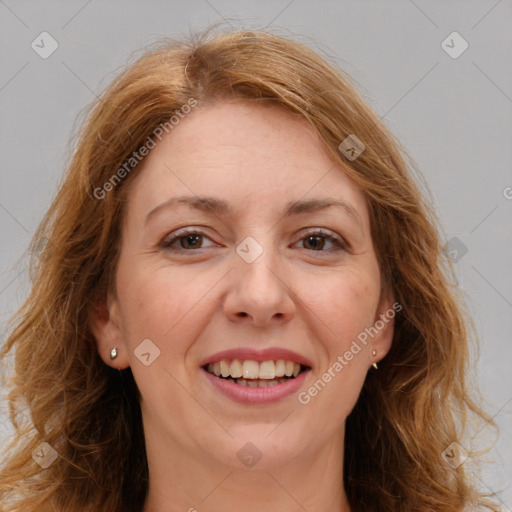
(255, 374)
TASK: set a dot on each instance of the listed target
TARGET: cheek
(159, 303)
(346, 302)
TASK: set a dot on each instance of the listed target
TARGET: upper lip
(260, 355)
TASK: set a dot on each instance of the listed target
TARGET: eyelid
(170, 238)
(328, 234)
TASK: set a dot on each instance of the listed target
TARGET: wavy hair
(60, 391)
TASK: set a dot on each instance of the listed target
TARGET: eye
(186, 240)
(322, 241)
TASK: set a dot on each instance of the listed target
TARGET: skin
(309, 298)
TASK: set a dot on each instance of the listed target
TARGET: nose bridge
(258, 267)
(259, 291)
(261, 278)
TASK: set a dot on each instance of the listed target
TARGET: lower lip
(252, 396)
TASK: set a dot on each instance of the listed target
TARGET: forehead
(246, 153)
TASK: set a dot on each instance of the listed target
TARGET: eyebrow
(205, 204)
(312, 205)
(219, 207)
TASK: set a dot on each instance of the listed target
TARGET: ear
(108, 333)
(384, 325)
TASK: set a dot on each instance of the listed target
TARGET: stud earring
(113, 353)
(374, 353)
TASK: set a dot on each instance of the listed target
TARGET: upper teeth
(250, 369)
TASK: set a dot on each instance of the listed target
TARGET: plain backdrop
(453, 116)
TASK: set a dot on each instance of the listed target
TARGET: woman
(239, 302)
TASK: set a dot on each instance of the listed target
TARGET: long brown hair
(62, 393)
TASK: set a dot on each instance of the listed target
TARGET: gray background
(452, 115)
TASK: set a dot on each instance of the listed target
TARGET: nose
(259, 294)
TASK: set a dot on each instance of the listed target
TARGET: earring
(374, 353)
(113, 353)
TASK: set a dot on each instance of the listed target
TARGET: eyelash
(167, 243)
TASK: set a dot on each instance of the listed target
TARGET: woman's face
(245, 250)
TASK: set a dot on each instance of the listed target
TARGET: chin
(258, 447)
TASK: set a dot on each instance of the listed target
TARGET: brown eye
(186, 241)
(322, 242)
(191, 241)
(314, 242)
